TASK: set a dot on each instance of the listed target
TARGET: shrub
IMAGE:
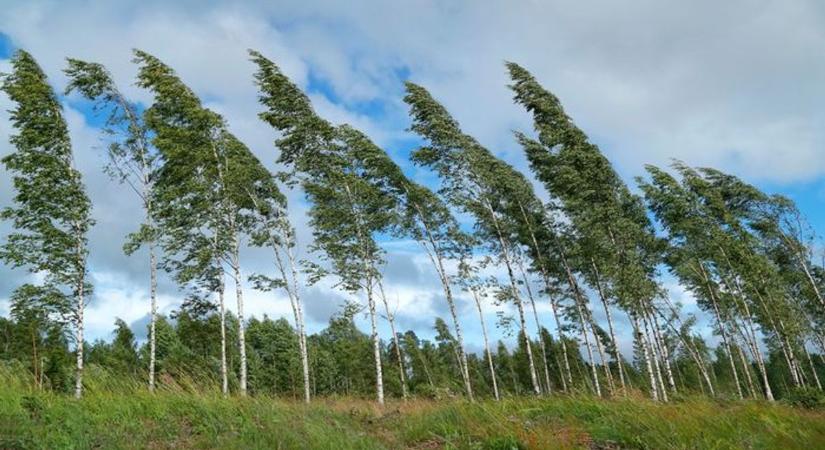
(806, 397)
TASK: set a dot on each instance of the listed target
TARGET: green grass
(129, 417)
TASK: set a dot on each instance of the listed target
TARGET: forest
(571, 234)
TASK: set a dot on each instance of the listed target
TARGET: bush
(805, 397)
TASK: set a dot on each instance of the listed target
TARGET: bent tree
(616, 246)
(51, 213)
(131, 160)
(202, 193)
(470, 175)
(348, 209)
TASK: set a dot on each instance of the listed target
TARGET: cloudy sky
(736, 85)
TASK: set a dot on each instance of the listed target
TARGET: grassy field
(179, 419)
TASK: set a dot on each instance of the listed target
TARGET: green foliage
(52, 213)
(806, 397)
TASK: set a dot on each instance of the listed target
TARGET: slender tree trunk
(791, 354)
(542, 346)
(721, 328)
(654, 390)
(579, 300)
(34, 357)
(784, 345)
(665, 353)
(222, 310)
(291, 286)
(376, 346)
(701, 367)
(553, 306)
(752, 336)
(80, 309)
(505, 253)
(656, 354)
(298, 311)
(401, 372)
(153, 314)
(813, 368)
(369, 271)
(437, 259)
(593, 369)
(600, 348)
(236, 273)
(804, 264)
(486, 345)
(746, 369)
(609, 324)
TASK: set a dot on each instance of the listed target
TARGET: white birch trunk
(505, 253)
(656, 355)
(722, 329)
(654, 390)
(376, 345)
(546, 278)
(594, 372)
(746, 368)
(222, 311)
(486, 345)
(665, 353)
(600, 348)
(153, 314)
(607, 312)
(401, 372)
(236, 270)
(813, 368)
(78, 387)
(542, 346)
(436, 258)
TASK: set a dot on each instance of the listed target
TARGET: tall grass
(121, 414)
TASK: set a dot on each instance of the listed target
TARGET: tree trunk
(813, 368)
(486, 345)
(542, 346)
(722, 329)
(505, 254)
(646, 352)
(656, 357)
(610, 325)
(222, 310)
(153, 314)
(665, 353)
(236, 272)
(78, 387)
(746, 368)
(547, 284)
(376, 345)
(401, 372)
(593, 369)
(600, 348)
(437, 259)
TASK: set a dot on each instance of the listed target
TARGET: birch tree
(202, 192)
(51, 215)
(618, 252)
(348, 209)
(469, 182)
(131, 160)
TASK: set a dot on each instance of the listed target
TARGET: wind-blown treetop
(208, 176)
(611, 222)
(52, 212)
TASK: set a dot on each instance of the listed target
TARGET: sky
(736, 85)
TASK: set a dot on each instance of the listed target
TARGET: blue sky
(738, 86)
